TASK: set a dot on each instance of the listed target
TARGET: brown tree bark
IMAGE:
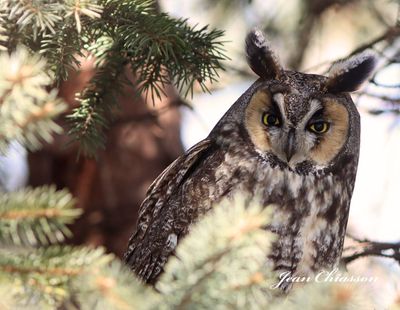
(141, 142)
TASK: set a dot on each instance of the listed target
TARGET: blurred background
(307, 35)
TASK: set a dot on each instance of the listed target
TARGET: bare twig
(382, 97)
(384, 85)
(395, 111)
(366, 247)
(389, 35)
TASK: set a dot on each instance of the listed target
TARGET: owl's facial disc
(316, 132)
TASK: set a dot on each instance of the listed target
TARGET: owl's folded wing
(150, 246)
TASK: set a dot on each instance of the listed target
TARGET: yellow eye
(319, 127)
(270, 120)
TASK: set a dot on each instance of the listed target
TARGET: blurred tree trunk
(140, 144)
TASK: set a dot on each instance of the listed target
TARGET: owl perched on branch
(293, 140)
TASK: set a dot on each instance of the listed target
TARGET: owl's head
(302, 118)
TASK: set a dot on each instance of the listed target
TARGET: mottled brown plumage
(288, 139)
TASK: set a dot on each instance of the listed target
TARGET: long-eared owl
(293, 140)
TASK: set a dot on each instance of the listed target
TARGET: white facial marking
(315, 105)
(280, 101)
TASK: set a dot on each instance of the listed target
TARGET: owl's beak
(290, 145)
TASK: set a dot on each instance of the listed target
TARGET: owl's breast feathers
(310, 210)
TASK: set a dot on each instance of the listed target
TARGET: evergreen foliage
(220, 264)
(158, 50)
(228, 267)
(36, 270)
(27, 109)
(36, 216)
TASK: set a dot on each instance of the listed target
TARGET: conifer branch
(62, 52)
(114, 287)
(229, 265)
(228, 270)
(27, 108)
(90, 120)
(58, 275)
(34, 15)
(49, 276)
(78, 8)
(36, 216)
(159, 50)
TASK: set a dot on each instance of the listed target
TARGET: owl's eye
(319, 127)
(270, 119)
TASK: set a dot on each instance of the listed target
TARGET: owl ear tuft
(348, 75)
(260, 57)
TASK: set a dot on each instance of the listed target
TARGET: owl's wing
(150, 246)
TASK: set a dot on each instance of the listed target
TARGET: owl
(292, 139)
